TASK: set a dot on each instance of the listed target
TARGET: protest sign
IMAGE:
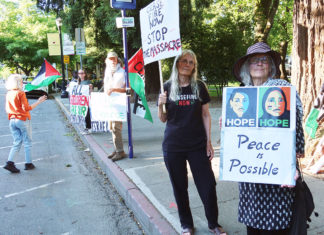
(160, 30)
(105, 108)
(79, 103)
(258, 136)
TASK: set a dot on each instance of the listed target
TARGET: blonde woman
(18, 108)
(187, 138)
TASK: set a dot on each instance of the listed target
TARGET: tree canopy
(23, 34)
(218, 31)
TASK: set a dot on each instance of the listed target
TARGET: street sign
(66, 59)
(68, 48)
(80, 46)
(122, 22)
(123, 4)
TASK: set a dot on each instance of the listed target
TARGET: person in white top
(114, 81)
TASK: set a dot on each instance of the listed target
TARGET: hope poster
(160, 30)
(79, 103)
(105, 108)
(258, 135)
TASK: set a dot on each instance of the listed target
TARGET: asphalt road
(67, 193)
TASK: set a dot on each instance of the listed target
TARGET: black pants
(253, 231)
(88, 120)
(204, 179)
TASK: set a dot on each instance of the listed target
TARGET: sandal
(187, 231)
(218, 231)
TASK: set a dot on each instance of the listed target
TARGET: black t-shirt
(185, 129)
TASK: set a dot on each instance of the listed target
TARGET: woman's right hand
(42, 99)
(162, 98)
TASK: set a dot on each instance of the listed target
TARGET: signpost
(125, 22)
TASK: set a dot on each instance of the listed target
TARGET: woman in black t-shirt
(187, 138)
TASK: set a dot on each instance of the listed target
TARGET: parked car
(34, 94)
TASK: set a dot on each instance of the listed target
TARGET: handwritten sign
(258, 136)
(160, 30)
(79, 103)
(106, 108)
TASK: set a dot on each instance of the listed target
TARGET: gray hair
(245, 72)
(174, 79)
(14, 82)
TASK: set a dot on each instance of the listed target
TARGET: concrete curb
(149, 217)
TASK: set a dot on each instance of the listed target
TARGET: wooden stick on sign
(161, 83)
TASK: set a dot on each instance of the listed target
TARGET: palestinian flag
(136, 79)
(45, 76)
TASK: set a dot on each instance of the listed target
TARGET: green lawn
(217, 92)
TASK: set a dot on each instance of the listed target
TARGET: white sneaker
(86, 132)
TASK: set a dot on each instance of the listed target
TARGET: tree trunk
(152, 80)
(283, 53)
(264, 14)
(308, 47)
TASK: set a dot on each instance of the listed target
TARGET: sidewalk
(144, 184)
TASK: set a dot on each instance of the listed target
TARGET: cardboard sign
(106, 108)
(79, 103)
(160, 30)
(258, 136)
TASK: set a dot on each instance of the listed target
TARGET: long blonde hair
(14, 82)
(175, 88)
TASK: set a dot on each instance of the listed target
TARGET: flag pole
(129, 120)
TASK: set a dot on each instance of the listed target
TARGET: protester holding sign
(267, 208)
(83, 80)
(18, 108)
(187, 138)
(114, 81)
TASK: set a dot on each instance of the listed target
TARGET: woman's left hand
(210, 151)
(291, 186)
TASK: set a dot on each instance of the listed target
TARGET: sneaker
(86, 132)
(119, 156)
(111, 155)
(10, 166)
(29, 166)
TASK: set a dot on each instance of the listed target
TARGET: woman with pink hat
(266, 209)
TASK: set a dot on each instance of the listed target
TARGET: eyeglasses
(256, 60)
(185, 61)
(81, 73)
